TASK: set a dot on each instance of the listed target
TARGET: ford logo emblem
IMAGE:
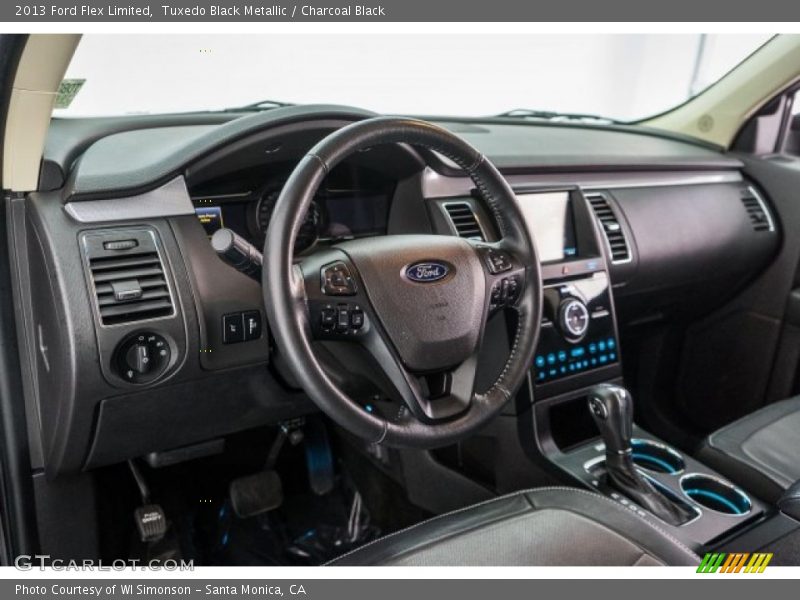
(427, 272)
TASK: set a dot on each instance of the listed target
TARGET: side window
(774, 129)
(791, 141)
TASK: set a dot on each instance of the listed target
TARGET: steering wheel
(417, 303)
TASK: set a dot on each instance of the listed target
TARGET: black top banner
(400, 11)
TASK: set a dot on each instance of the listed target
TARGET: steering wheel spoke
(338, 309)
(431, 397)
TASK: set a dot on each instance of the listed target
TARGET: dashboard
(113, 253)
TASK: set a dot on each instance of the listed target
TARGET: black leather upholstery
(789, 503)
(545, 526)
(760, 451)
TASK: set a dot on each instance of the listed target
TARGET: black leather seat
(760, 452)
(545, 526)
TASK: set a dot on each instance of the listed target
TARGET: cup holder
(656, 457)
(716, 495)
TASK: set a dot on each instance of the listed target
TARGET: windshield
(622, 77)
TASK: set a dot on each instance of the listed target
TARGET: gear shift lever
(612, 409)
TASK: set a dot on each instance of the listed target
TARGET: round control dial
(574, 319)
(142, 357)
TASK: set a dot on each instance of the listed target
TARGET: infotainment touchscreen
(550, 219)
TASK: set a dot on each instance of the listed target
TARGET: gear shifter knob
(612, 409)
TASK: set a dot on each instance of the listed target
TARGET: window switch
(232, 329)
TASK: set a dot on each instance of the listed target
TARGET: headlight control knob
(573, 319)
(142, 357)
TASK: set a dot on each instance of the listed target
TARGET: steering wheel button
(497, 261)
(357, 318)
(328, 318)
(504, 287)
(497, 293)
(337, 280)
(513, 288)
(342, 319)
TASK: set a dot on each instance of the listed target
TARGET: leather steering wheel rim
(288, 310)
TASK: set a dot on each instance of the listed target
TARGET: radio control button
(574, 319)
(337, 280)
(497, 261)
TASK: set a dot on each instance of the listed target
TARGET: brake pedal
(263, 491)
(256, 494)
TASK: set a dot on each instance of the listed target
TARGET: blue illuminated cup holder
(716, 495)
(656, 457)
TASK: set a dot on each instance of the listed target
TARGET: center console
(579, 238)
(578, 341)
(579, 353)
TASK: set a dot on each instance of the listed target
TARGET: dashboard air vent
(464, 221)
(131, 287)
(618, 247)
(760, 218)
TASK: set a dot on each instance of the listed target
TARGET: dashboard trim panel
(436, 185)
(170, 200)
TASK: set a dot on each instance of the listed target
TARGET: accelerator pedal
(319, 457)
